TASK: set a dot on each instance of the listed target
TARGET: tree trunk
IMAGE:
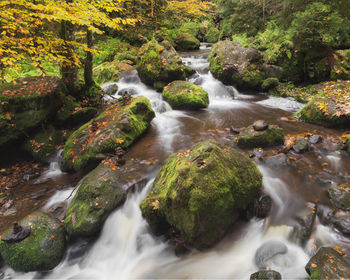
(69, 71)
(89, 59)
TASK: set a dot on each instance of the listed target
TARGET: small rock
(234, 130)
(266, 253)
(266, 275)
(277, 161)
(263, 206)
(18, 233)
(130, 91)
(58, 210)
(314, 139)
(301, 145)
(260, 125)
(340, 198)
(284, 119)
(40, 181)
(259, 153)
(111, 89)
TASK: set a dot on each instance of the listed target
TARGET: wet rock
(250, 138)
(259, 153)
(328, 264)
(100, 192)
(27, 177)
(266, 253)
(38, 194)
(42, 250)
(186, 42)
(18, 233)
(340, 198)
(301, 145)
(198, 81)
(266, 275)
(119, 125)
(341, 221)
(235, 65)
(208, 199)
(40, 181)
(263, 206)
(130, 91)
(306, 220)
(111, 89)
(273, 71)
(181, 250)
(260, 125)
(184, 95)
(279, 160)
(234, 130)
(159, 64)
(314, 139)
(58, 210)
(10, 212)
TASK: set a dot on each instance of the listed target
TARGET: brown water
(126, 249)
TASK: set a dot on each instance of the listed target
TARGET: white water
(54, 167)
(286, 104)
(126, 249)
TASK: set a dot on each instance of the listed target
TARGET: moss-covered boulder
(340, 197)
(159, 64)
(330, 105)
(44, 144)
(201, 192)
(185, 95)
(235, 65)
(26, 105)
(250, 138)
(186, 42)
(328, 264)
(42, 250)
(120, 125)
(110, 70)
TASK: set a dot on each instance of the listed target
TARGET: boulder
(330, 106)
(26, 105)
(278, 161)
(328, 264)
(273, 71)
(266, 275)
(341, 222)
(235, 65)
(201, 192)
(269, 84)
(266, 253)
(41, 250)
(250, 138)
(301, 145)
(340, 198)
(184, 95)
(99, 193)
(119, 125)
(110, 89)
(43, 145)
(186, 42)
(159, 64)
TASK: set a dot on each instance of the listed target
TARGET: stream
(126, 249)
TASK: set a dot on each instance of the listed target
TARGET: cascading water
(126, 249)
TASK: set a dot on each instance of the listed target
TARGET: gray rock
(266, 275)
(273, 71)
(277, 161)
(340, 198)
(301, 145)
(327, 264)
(341, 221)
(131, 91)
(314, 139)
(266, 253)
(111, 89)
(260, 125)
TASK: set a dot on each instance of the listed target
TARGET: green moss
(212, 35)
(270, 84)
(249, 138)
(98, 195)
(184, 95)
(348, 143)
(200, 192)
(340, 198)
(84, 147)
(42, 250)
(185, 41)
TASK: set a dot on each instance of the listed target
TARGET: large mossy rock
(43, 145)
(328, 264)
(42, 250)
(340, 197)
(159, 64)
(250, 138)
(234, 65)
(26, 105)
(201, 192)
(330, 106)
(120, 125)
(186, 42)
(185, 95)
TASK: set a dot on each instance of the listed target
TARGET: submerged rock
(340, 198)
(266, 275)
(235, 65)
(41, 250)
(159, 64)
(250, 138)
(201, 192)
(184, 95)
(266, 253)
(280, 160)
(328, 264)
(186, 42)
(120, 125)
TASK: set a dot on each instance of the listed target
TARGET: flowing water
(126, 249)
